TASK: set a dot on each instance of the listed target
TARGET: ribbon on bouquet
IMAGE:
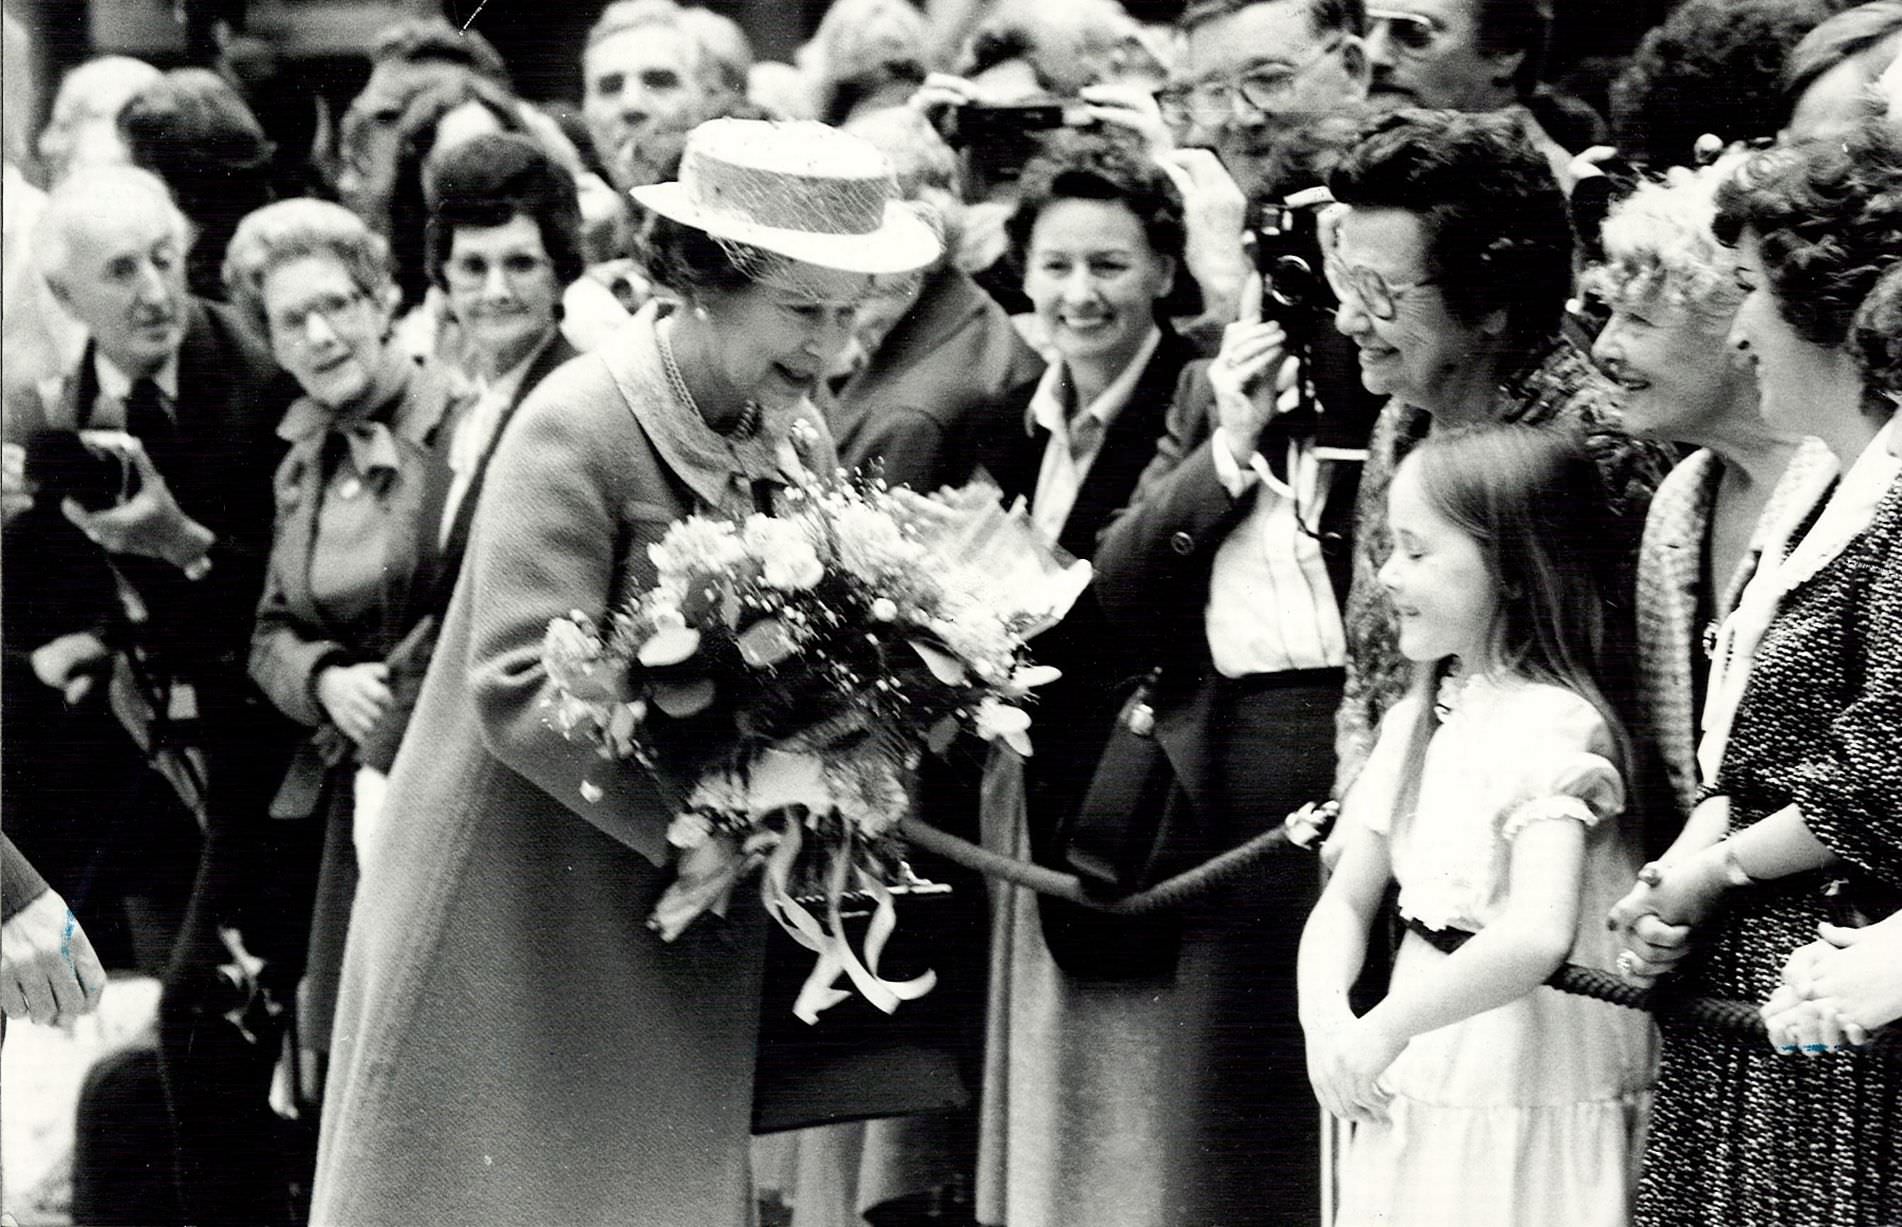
(835, 954)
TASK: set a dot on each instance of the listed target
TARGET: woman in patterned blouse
(1799, 737)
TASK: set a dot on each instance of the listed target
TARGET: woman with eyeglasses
(343, 631)
(1452, 261)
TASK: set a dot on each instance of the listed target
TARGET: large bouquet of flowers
(782, 679)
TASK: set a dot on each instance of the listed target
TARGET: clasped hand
(1346, 1057)
(355, 697)
(1837, 991)
(1671, 897)
(150, 523)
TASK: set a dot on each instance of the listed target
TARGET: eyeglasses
(1413, 33)
(471, 271)
(294, 324)
(1376, 295)
(1266, 88)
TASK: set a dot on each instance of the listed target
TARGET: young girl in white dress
(1494, 797)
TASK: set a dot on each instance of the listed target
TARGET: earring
(700, 313)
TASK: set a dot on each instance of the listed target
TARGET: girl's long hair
(1532, 498)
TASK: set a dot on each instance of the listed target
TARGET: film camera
(60, 465)
(997, 139)
(1285, 241)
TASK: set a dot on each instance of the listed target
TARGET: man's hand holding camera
(150, 524)
(1254, 376)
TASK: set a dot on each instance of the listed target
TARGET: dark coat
(1207, 990)
(1154, 567)
(950, 376)
(1072, 714)
(446, 563)
(513, 1043)
(218, 466)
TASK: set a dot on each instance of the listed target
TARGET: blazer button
(1182, 543)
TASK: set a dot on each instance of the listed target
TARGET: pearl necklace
(749, 420)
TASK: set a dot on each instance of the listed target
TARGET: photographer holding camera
(139, 565)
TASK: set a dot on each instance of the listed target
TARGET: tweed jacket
(513, 1043)
(1671, 567)
(1558, 385)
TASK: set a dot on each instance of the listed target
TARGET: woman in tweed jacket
(1672, 288)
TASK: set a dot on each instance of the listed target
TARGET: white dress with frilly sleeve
(1530, 1114)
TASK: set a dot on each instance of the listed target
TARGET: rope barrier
(1742, 1017)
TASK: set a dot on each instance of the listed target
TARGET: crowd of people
(1499, 483)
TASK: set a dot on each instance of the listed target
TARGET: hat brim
(903, 244)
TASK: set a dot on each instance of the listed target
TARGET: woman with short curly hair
(344, 629)
(1452, 263)
(1672, 290)
(1801, 815)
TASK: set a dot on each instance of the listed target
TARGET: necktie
(145, 416)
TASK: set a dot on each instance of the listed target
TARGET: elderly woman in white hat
(513, 1044)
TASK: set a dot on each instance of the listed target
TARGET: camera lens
(1292, 281)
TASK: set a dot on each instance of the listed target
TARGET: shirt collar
(1047, 404)
(117, 384)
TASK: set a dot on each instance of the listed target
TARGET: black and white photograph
(951, 613)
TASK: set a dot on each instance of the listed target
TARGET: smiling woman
(501, 984)
(344, 628)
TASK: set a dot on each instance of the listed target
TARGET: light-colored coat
(513, 1044)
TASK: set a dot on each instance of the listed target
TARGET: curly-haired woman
(1799, 737)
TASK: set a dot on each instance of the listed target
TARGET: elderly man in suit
(150, 597)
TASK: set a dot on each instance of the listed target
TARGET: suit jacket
(1015, 457)
(1154, 568)
(951, 375)
(218, 466)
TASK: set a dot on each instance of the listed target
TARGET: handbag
(856, 1062)
(1124, 836)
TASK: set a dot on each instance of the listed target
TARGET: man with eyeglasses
(136, 601)
(1463, 55)
(1256, 74)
